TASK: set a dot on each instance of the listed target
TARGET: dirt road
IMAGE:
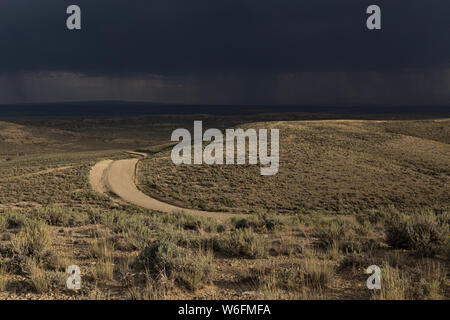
(119, 178)
(97, 176)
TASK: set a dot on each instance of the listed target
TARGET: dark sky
(226, 52)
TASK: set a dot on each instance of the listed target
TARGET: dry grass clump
(102, 250)
(155, 288)
(241, 243)
(38, 277)
(426, 233)
(427, 282)
(191, 270)
(307, 279)
(41, 280)
(103, 269)
(33, 240)
(3, 277)
(432, 281)
(316, 274)
(142, 285)
(394, 284)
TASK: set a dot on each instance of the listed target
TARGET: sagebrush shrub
(424, 233)
(63, 217)
(260, 222)
(160, 256)
(241, 242)
(165, 257)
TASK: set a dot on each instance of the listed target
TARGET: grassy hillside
(327, 166)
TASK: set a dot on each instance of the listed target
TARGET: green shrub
(423, 233)
(95, 216)
(200, 204)
(188, 222)
(427, 235)
(62, 217)
(196, 270)
(328, 235)
(15, 219)
(397, 234)
(340, 234)
(373, 216)
(160, 256)
(135, 230)
(260, 222)
(165, 257)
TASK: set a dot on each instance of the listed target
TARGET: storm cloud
(233, 51)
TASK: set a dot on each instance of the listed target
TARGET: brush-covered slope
(332, 166)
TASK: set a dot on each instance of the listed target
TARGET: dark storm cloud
(203, 36)
(260, 44)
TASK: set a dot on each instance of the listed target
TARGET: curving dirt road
(97, 176)
(119, 178)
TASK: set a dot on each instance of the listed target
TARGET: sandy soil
(96, 177)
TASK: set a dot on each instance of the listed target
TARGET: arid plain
(350, 193)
